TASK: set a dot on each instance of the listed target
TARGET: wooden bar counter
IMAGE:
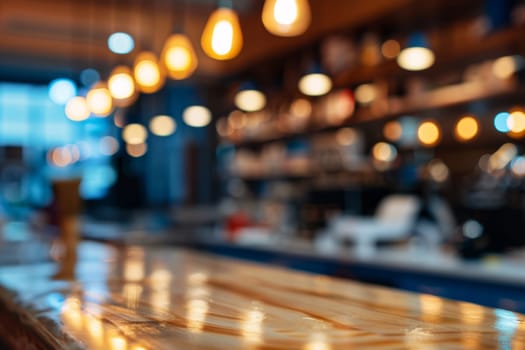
(140, 298)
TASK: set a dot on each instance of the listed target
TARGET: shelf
(449, 54)
(453, 96)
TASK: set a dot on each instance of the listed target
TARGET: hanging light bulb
(99, 100)
(122, 86)
(77, 109)
(416, 56)
(286, 17)
(249, 99)
(147, 72)
(222, 36)
(178, 57)
(315, 83)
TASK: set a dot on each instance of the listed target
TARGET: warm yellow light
(122, 86)
(466, 128)
(315, 84)
(384, 152)
(346, 136)
(365, 93)
(222, 36)
(393, 131)
(301, 108)
(162, 125)
(286, 17)
(504, 67)
(516, 122)
(134, 134)
(416, 58)
(250, 100)
(428, 133)
(197, 116)
(137, 150)
(148, 73)
(99, 100)
(77, 109)
(179, 57)
(390, 49)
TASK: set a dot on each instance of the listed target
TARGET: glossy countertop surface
(138, 298)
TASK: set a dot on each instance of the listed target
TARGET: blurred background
(382, 133)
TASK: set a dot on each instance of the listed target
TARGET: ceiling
(40, 40)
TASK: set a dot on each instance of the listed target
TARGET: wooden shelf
(449, 55)
(448, 97)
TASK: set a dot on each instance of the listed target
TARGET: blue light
(61, 90)
(500, 122)
(89, 76)
(121, 43)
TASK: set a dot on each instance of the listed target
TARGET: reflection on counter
(246, 306)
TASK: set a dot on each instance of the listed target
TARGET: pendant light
(249, 99)
(222, 35)
(122, 86)
(417, 55)
(286, 17)
(315, 82)
(147, 72)
(178, 57)
(99, 100)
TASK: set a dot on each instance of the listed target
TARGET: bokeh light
(197, 116)
(518, 166)
(393, 131)
(77, 109)
(162, 125)
(466, 128)
(108, 145)
(121, 43)
(390, 49)
(315, 84)
(286, 17)
(89, 76)
(438, 170)
(428, 133)
(134, 134)
(516, 122)
(136, 150)
(384, 152)
(301, 108)
(147, 72)
(222, 37)
(99, 100)
(62, 90)
(346, 136)
(505, 67)
(416, 58)
(250, 100)
(500, 122)
(366, 93)
(178, 56)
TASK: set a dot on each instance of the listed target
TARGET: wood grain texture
(150, 298)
